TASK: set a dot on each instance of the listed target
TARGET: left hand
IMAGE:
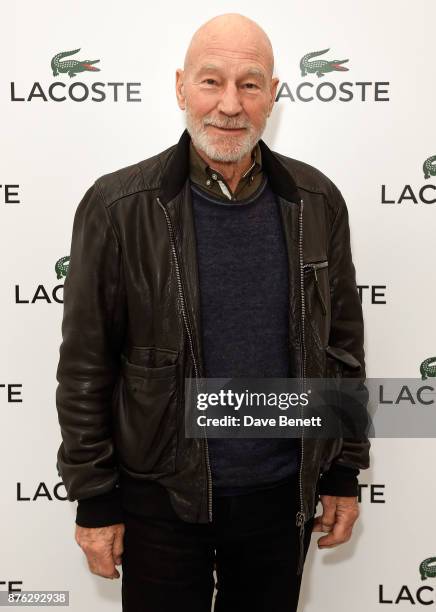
(337, 519)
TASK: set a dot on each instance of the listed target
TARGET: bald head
(226, 88)
(232, 34)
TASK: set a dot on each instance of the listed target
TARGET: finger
(328, 516)
(317, 525)
(338, 535)
(100, 562)
(322, 527)
(104, 571)
(324, 522)
(330, 541)
(118, 547)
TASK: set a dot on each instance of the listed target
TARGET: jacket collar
(176, 172)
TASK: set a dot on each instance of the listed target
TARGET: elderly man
(215, 258)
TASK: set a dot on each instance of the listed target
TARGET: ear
(273, 90)
(180, 88)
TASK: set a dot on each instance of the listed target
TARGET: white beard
(223, 148)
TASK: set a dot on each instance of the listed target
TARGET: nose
(230, 103)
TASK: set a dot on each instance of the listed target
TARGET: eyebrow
(254, 72)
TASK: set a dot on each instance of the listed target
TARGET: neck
(231, 171)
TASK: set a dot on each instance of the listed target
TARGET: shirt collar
(209, 178)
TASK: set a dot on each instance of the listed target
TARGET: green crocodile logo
(72, 67)
(320, 67)
(61, 267)
(428, 368)
(427, 568)
(429, 167)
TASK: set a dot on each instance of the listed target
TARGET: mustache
(229, 124)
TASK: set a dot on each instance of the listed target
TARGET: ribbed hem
(339, 480)
(146, 498)
(101, 510)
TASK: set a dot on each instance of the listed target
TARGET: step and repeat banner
(370, 128)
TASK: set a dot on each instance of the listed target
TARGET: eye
(209, 81)
(251, 85)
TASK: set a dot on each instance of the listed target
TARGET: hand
(103, 547)
(338, 517)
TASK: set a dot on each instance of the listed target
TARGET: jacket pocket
(352, 395)
(152, 356)
(338, 359)
(145, 412)
(317, 290)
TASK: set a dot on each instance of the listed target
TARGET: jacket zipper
(300, 516)
(315, 266)
(191, 346)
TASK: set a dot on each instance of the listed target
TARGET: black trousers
(252, 543)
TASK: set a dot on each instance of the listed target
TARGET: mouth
(227, 130)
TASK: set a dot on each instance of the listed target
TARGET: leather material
(125, 351)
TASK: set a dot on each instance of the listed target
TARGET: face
(227, 99)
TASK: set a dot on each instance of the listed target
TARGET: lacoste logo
(429, 167)
(320, 67)
(428, 368)
(427, 568)
(81, 89)
(72, 67)
(61, 267)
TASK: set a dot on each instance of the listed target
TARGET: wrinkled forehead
(237, 69)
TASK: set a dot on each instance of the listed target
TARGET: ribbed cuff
(101, 510)
(339, 480)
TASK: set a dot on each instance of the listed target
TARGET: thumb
(118, 546)
(325, 521)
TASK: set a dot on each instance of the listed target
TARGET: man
(216, 257)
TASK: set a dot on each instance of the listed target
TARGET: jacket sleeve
(88, 367)
(346, 332)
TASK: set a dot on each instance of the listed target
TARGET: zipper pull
(318, 290)
(300, 523)
(300, 519)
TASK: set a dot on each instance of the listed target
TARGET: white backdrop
(53, 151)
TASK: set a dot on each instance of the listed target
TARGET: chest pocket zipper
(316, 265)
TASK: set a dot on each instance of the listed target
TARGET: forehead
(237, 67)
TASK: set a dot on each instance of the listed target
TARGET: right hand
(103, 547)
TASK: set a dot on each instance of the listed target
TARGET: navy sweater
(243, 276)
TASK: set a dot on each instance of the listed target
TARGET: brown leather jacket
(131, 330)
